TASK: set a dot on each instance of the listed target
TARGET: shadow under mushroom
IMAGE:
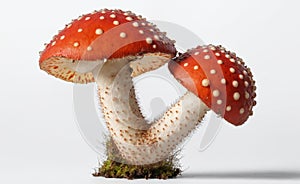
(261, 174)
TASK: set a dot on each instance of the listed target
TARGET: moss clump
(161, 170)
(112, 169)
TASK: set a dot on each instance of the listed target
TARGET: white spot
(69, 25)
(104, 60)
(206, 57)
(223, 81)
(126, 14)
(236, 96)
(99, 31)
(101, 17)
(154, 46)
(123, 35)
(217, 54)
(219, 102)
(89, 48)
(216, 93)
(212, 47)
(242, 110)
(76, 44)
(246, 83)
(232, 60)
(156, 37)
(232, 70)
(112, 16)
(62, 37)
(151, 30)
(205, 50)
(53, 43)
(149, 40)
(213, 71)
(129, 18)
(228, 108)
(227, 56)
(185, 64)
(247, 95)
(220, 62)
(79, 30)
(103, 11)
(196, 67)
(241, 76)
(115, 22)
(196, 53)
(235, 83)
(135, 24)
(87, 18)
(143, 23)
(245, 72)
(205, 82)
(141, 31)
(222, 51)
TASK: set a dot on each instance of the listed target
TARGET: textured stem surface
(138, 142)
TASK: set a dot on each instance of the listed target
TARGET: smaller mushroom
(220, 79)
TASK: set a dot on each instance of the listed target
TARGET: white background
(40, 143)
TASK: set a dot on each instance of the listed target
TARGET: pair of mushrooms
(110, 47)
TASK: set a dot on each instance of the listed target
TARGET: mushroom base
(168, 168)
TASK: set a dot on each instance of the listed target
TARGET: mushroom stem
(138, 142)
(169, 131)
(118, 74)
(117, 96)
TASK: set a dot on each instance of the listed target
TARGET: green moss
(161, 170)
(112, 169)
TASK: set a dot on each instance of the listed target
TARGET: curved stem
(138, 142)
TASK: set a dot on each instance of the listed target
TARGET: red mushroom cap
(220, 79)
(101, 35)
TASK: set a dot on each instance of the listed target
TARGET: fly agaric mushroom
(215, 78)
(77, 53)
(122, 45)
